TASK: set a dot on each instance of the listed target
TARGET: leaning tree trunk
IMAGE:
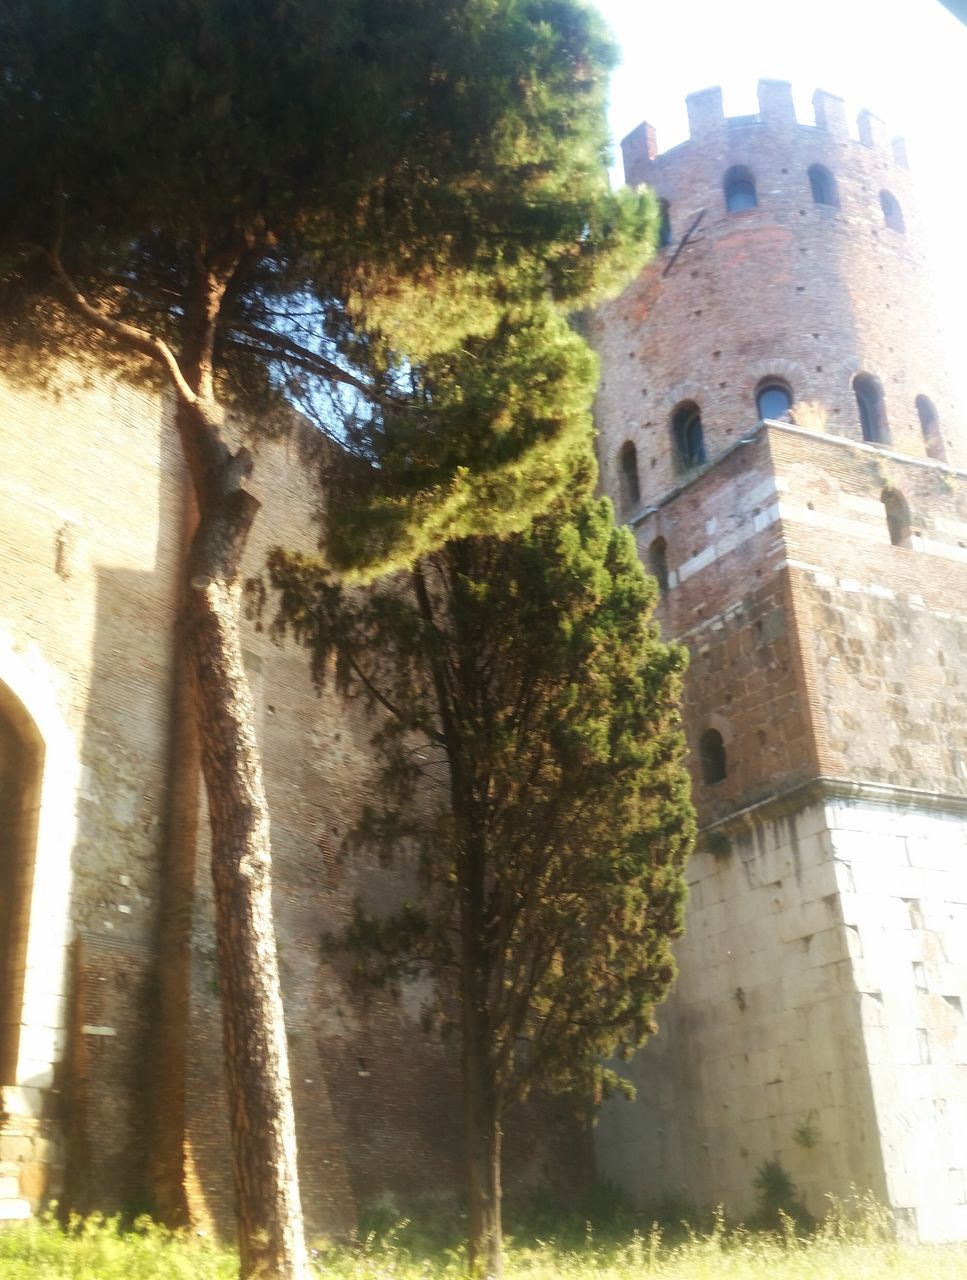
(261, 1118)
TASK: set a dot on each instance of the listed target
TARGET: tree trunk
(482, 1147)
(481, 1106)
(261, 1118)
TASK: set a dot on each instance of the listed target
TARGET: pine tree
(312, 200)
(532, 764)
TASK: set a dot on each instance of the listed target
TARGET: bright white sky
(906, 60)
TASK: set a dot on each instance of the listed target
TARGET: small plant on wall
(806, 1133)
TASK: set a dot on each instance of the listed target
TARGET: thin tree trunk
(481, 1109)
(481, 1100)
(482, 1148)
(262, 1123)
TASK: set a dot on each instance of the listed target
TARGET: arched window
(892, 213)
(664, 224)
(897, 516)
(630, 487)
(739, 188)
(869, 401)
(823, 185)
(930, 426)
(773, 400)
(658, 563)
(711, 755)
(688, 435)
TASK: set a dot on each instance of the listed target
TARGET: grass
(842, 1249)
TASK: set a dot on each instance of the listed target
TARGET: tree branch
(127, 334)
(311, 361)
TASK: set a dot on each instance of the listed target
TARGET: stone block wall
(901, 874)
(760, 1055)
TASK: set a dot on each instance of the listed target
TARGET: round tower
(790, 284)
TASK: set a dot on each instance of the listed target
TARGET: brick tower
(778, 427)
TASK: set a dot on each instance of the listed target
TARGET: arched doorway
(39, 783)
(21, 771)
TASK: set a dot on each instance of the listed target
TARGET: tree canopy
(387, 184)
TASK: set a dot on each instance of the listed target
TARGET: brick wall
(92, 514)
(806, 292)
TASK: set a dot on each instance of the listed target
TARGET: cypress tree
(261, 201)
(532, 765)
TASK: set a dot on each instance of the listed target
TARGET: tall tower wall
(818, 577)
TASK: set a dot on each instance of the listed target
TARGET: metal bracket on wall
(684, 241)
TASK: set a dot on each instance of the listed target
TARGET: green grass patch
(842, 1249)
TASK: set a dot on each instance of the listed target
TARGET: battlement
(707, 121)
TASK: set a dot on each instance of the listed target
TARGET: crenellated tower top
(707, 121)
(790, 282)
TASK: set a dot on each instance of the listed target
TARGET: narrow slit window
(711, 754)
(740, 192)
(930, 427)
(823, 185)
(872, 410)
(897, 516)
(630, 484)
(658, 563)
(664, 224)
(892, 213)
(689, 435)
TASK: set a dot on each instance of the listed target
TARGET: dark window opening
(664, 225)
(711, 754)
(740, 190)
(630, 486)
(823, 185)
(773, 400)
(658, 563)
(689, 435)
(897, 516)
(930, 426)
(869, 401)
(892, 213)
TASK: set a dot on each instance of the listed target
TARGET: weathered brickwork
(807, 293)
(817, 571)
(110, 991)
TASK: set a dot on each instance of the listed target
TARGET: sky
(905, 60)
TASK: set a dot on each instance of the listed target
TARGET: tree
(310, 200)
(533, 765)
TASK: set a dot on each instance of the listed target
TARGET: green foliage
(805, 1132)
(778, 1201)
(405, 197)
(98, 1248)
(846, 1246)
(533, 734)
